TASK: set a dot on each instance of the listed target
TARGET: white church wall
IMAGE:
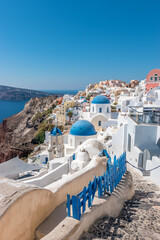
(65, 139)
(71, 140)
(74, 142)
(79, 140)
(100, 108)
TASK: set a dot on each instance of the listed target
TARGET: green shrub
(39, 138)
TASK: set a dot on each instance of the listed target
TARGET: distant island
(20, 94)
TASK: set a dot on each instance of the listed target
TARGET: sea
(9, 108)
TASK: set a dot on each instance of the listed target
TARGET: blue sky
(55, 44)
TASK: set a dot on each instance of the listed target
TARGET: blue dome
(82, 128)
(56, 132)
(100, 99)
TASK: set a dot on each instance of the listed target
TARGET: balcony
(145, 115)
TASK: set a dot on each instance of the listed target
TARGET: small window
(129, 142)
(80, 143)
(107, 109)
(93, 109)
(159, 78)
(100, 109)
(155, 79)
(127, 102)
(99, 123)
(151, 78)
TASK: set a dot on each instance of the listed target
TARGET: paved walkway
(139, 219)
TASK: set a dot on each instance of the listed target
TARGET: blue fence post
(94, 187)
(100, 187)
(68, 205)
(104, 183)
(106, 153)
(98, 183)
(84, 199)
(111, 178)
(108, 181)
(76, 207)
(89, 194)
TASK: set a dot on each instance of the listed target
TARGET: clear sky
(55, 44)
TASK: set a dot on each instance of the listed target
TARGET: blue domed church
(100, 112)
(79, 132)
(56, 146)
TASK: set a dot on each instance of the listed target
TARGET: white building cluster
(113, 117)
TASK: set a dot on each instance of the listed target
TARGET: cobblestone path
(139, 219)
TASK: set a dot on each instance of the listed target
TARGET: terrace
(149, 115)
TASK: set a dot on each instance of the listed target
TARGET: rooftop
(82, 128)
(100, 99)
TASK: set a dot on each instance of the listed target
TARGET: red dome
(153, 79)
(152, 73)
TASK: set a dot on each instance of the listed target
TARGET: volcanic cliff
(17, 131)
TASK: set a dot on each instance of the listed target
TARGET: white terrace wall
(28, 206)
(40, 174)
(22, 209)
(74, 183)
(50, 177)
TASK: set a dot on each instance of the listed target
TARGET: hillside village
(123, 117)
(77, 134)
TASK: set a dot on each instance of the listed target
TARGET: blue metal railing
(106, 183)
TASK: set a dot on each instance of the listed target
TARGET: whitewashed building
(99, 113)
(80, 132)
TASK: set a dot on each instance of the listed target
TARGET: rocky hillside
(19, 94)
(18, 131)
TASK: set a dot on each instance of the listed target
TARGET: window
(129, 142)
(127, 102)
(100, 109)
(155, 79)
(92, 109)
(151, 78)
(99, 123)
(159, 78)
(80, 143)
(107, 109)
